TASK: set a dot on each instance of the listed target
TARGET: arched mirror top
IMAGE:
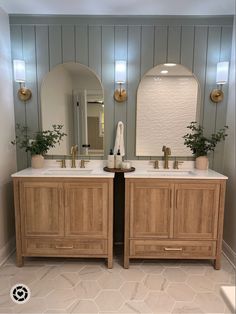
(168, 99)
(72, 95)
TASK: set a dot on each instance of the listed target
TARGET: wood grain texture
(150, 208)
(97, 42)
(42, 211)
(196, 211)
(64, 217)
(174, 219)
(86, 209)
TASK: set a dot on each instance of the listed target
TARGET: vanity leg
(19, 260)
(126, 262)
(217, 263)
(109, 263)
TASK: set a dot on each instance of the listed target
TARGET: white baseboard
(7, 250)
(229, 253)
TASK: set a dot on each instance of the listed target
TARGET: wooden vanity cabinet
(64, 217)
(166, 218)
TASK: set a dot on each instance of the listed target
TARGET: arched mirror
(72, 95)
(167, 101)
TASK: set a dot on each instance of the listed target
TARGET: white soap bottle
(111, 160)
(118, 161)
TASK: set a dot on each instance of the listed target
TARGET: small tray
(118, 170)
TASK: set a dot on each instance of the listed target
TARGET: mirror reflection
(167, 101)
(72, 95)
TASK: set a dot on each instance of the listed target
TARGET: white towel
(119, 142)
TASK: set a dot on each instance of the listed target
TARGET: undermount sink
(67, 172)
(173, 172)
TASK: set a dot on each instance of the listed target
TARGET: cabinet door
(150, 209)
(86, 209)
(42, 210)
(196, 210)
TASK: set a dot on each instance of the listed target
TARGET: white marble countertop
(228, 294)
(93, 169)
(145, 169)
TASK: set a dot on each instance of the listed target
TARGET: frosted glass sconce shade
(24, 93)
(19, 70)
(120, 71)
(120, 78)
(222, 72)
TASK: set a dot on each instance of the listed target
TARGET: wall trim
(229, 253)
(45, 19)
(7, 250)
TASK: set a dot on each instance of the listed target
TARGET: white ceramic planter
(37, 161)
(202, 163)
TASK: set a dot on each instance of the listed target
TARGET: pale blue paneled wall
(198, 43)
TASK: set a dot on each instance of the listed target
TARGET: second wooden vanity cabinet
(174, 218)
(70, 217)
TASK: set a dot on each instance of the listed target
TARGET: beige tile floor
(87, 286)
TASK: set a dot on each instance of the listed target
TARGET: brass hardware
(82, 163)
(156, 164)
(24, 93)
(173, 249)
(120, 94)
(177, 163)
(167, 152)
(63, 163)
(64, 247)
(73, 151)
(217, 95)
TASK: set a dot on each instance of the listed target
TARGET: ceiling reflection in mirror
(167, 101)
(72, 95)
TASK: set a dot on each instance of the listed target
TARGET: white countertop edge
(40, 173)
(144, 169)
(197, 174)
(228, 294)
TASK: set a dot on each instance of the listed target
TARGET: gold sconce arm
(217, 95)
(120, 94)
(24, 93)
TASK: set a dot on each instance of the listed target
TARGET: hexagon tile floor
(87, 286)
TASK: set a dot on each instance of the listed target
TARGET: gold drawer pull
(64, 247)
(173, 249)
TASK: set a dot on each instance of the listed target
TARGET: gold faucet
(82, 163)
(177, 163)
(73, 152)
(156, 164)
(167, 152)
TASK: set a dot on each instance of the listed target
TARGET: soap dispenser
(118, 161)
(111, 160)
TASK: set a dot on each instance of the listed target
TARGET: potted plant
(38, 143)
(201, 145)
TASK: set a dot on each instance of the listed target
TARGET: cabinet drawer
(64, 247)
(172, 249)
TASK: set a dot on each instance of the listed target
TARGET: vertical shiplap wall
(45, 42)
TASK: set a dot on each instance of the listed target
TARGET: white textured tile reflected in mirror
(167, 101)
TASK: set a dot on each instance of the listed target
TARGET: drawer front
(57, 247)
(172, 249)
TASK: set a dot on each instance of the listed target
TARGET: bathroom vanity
(63, 212)
(171, 214)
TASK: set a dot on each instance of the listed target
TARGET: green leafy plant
(198, 143)
(38, 143)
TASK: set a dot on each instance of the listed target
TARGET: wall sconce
(24, 93)
(222, 71)
(120, 94)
